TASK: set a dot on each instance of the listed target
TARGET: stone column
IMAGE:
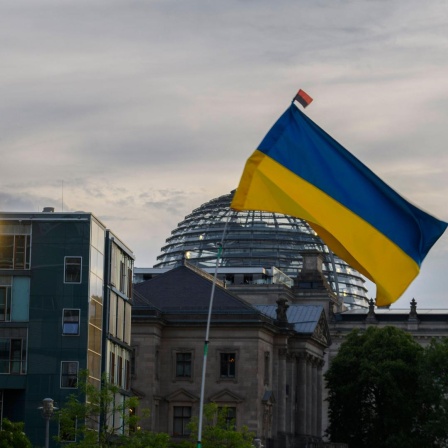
(314, 382)
(281, 390)
(309, 395)
(301, 395)
(290, 384)
(319, 398)
(275, 381)
(293, 394)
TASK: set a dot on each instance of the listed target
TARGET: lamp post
(47, 409)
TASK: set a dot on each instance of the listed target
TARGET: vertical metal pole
(47, 432)
(335, 275)
(207, 333)
(47, 411)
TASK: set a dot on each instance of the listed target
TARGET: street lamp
(47, 409)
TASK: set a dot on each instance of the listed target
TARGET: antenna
(62, 198)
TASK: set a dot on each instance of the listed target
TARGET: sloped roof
(185, 290)
(304, 317)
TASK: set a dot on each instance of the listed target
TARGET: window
(4, 355)
(229, 279)
(133, 361)
(248, 278)
(183, 365)
(6, 251)
(181, 418)
(120, 318)
(72, 269)
(129, 293)
(113, 314)
(132, 424)
(112, 367)
(229, 416)
(122, 276)
(120, 371)
(127, 322)
(228, 361)
(69, 374)
(14, 251)
(267, 359)
(67, 429)
(156, 364)
(70, 322)
(127, 374)
(16, 356)
(14, 298)
(12, 356)
(20, 251)
(5, 302)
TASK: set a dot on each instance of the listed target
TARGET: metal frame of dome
(256, 239)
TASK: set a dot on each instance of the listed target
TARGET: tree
(12, 435)
(434, 378)
(375, 396)
(218, 431)
(103, 419)
(145, 439)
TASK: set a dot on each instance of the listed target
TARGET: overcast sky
(141, 110)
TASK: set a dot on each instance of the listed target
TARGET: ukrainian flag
(300, 170)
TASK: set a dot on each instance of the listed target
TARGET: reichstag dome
(256, 239)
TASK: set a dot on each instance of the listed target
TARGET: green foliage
(12, 435)
(434, 380)
(386, 391)
(217, 431)
(145, 439)
(80, 419)
(375, 397)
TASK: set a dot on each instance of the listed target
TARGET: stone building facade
(265, 358)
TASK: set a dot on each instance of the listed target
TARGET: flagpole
(335, 274)
(207, 333)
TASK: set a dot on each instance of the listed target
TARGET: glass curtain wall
(97, 241)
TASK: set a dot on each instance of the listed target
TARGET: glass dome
(256, 239)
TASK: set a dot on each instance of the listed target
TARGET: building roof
(184, 293)
(45, 216)
(184, 289)
(304, 317)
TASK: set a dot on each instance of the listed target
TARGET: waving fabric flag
(300, 170)
(303, 98)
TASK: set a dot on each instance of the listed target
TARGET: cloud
(141, 111)
(16, 202)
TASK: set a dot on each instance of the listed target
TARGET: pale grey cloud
(12, 203)
(140, 111)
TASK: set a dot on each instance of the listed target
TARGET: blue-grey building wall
(47, 347)
(39, 293)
